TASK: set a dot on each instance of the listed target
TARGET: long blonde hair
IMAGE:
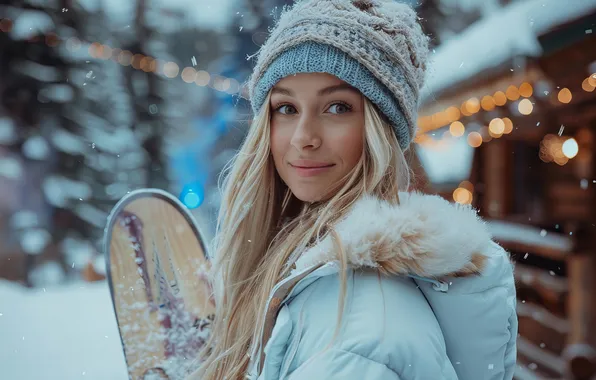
(262, 228)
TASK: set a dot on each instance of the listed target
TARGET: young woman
(325, 266)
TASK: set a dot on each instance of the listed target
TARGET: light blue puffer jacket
(444, 307)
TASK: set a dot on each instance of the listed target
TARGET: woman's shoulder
(370, 298)
(478, 318)
(385, 319)
(469, 328)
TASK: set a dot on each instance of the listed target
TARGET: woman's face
(317, 132)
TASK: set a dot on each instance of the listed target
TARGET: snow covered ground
(60, 333)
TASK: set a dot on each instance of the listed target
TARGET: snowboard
(156, 265)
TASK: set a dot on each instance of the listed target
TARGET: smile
(309, 171)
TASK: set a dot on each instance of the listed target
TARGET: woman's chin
(308, 198)
(310, 195)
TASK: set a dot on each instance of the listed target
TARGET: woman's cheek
(280, 138)
(349, 136)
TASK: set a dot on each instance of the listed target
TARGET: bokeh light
(462, 196)
(125, 58)
(525, 107)
(570, 148)
(512, 93)
(508, 125)
(488, 103)
(500, 98)
(587, 85)
(565, 95)
(189, 74)
(171, 69)
(457, 129)
(474, 139)
(192, 196)
(526, 90)
(203, 78)
(496, 127)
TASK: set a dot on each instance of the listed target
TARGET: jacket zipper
(439, 286)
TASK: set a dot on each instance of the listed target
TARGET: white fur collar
(425, 235)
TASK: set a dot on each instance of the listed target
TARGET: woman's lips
(309, 171)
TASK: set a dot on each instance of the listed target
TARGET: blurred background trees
(98, 98)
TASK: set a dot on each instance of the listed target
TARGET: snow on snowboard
(155, 260)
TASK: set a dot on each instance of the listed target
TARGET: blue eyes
(337, 108)
(286, 106)
(341, 106)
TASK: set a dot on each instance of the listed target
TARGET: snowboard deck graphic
(155, 260)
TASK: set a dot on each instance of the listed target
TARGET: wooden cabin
(532, 123)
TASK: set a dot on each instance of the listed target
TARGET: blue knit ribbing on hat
(314, 57)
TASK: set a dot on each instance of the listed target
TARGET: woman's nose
(306, 134)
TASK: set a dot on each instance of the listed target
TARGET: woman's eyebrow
(335, 88)
(321, 92)
(282, 91)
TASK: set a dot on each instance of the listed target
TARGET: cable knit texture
(376, 46)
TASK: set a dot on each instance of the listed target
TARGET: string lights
(141, 62)
(452, 115)
(553, 148)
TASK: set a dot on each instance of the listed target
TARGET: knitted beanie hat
(377, 46)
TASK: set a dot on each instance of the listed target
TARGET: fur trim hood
(425, 235)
